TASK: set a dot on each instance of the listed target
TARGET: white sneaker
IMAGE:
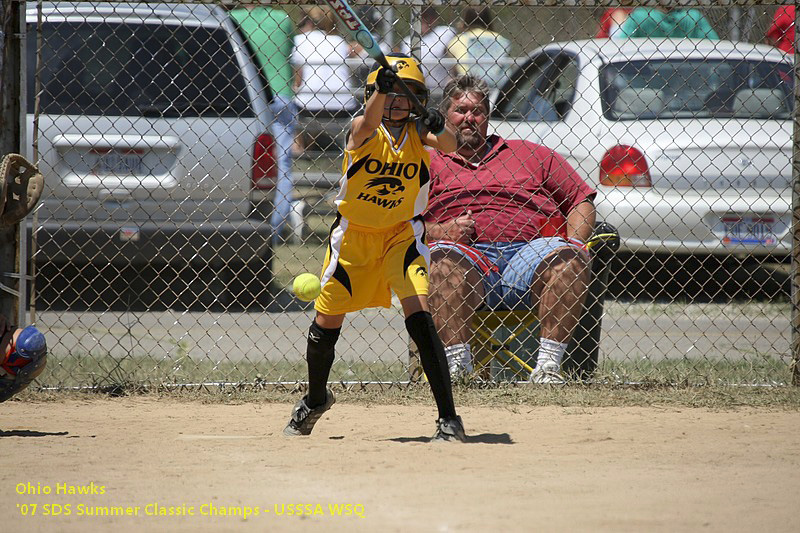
(459, 360)
(458, 370)
(547, 374)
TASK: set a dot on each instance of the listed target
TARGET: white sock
(459, 358)
(550, 353)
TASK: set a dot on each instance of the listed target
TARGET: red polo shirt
(520, 191)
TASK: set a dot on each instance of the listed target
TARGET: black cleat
(304, 417)
(449, 429)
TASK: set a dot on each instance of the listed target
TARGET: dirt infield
(524, 469)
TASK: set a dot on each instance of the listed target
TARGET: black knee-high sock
(319, 356)
(431, 354)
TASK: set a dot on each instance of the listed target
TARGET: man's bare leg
(456, 291)
(558, 293)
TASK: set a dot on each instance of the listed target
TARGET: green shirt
(271, 33)
(651, 22)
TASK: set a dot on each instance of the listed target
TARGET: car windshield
(703, 88)
(136, 70)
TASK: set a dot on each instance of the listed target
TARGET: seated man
(511, 218)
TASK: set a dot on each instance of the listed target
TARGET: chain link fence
(180, 205)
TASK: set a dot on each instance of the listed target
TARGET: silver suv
(152, 137)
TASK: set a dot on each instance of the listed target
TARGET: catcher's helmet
(407, 69)
(23, 362)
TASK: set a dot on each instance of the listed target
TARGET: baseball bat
(358, 31)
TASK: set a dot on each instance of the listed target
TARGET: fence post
(796, 214)
(415, 23)
(10, 139)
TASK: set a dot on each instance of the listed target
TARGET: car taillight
(265, 166)
(624, 166)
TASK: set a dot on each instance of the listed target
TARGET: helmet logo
(401, 65)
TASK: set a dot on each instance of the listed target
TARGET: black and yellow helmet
(407, 69)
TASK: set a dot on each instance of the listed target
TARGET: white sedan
(688, 142)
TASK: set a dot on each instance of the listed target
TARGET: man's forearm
(581, 220)
(436, 231)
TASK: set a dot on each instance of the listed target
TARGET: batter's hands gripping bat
(358, 31)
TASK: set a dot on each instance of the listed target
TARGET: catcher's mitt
(22, 362)
(22, 187)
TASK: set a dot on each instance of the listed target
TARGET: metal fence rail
(156, 262)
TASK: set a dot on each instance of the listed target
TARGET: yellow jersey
(385, 182)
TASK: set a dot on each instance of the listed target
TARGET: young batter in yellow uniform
(377, 243)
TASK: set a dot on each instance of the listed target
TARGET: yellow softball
(306, 287)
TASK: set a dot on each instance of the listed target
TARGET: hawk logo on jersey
(387, 182)
(421, 272)
(387, 185)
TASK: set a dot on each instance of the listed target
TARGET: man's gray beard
(473, 141)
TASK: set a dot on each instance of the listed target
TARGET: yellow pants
(363, 265)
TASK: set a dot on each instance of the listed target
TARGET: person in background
(510, 218)
(781, 32)
(323, 84)
(611, 22)
(479, 50)
(656, 22)
(433, 47)
(270, 31)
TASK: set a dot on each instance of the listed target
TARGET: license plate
(125, 162)
(750, 230)
(129, 234)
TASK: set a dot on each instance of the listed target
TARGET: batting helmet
(407, 70)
